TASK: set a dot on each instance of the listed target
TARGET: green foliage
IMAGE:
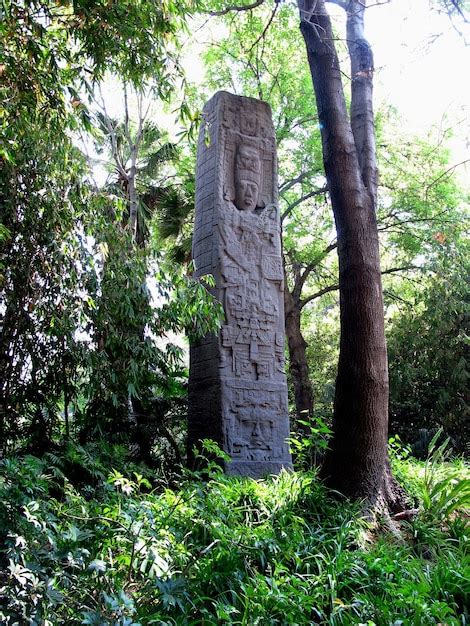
(80, 339)
(226, 550)
(137, 298)
(421, 205)
(321, 331)
(45, 263)
(428, 355)
(309, 447)
(252, 62)
(51, 45)
(443, 492)
(439, 485)
(80, 328)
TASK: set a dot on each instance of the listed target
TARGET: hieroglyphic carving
(252, 419)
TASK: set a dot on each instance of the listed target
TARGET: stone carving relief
(250, 285)
(252, 281)
(252, 419)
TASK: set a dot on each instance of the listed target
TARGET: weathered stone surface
(237, 385)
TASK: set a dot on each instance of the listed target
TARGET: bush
(428, 356)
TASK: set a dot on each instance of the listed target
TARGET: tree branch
(344, 4)
(234, 7)
(265, 30)
(300, 281)
(405, 268)
(134, 146)
(286, 185)
(448, 171)
(296, 291)
(361, 109)
(311, 194)
(112, 135)
(314, 296)
(429, 220)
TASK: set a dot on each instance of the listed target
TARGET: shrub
(213, 549)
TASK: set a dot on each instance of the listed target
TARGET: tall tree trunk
(357, 463)
(132, 196)
(298, 365)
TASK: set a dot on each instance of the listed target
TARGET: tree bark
(357, 462)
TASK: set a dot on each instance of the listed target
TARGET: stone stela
(237, 384)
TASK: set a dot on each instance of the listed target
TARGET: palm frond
(164, 154)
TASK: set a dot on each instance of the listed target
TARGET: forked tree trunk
(357, 463)
(298, 364)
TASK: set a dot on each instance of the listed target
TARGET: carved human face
(246, 195)
(257, 431)
(247, 178)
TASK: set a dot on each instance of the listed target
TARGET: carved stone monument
(237, 384)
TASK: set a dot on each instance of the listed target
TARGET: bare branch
(131, 190)
(393, 296)
(314, 296)
(127, 131)
(344, 4)
(311, 266)
(304, 120)
(311, 194)
(266, 28)
(234, 7)
(458, 7)
(287, 184)
(134, 146)
(448, 171)
(405, 268)
(430, 220)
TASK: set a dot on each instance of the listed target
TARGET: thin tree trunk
(298, 364)
(362, 111)
(65, 383)
(132, 195)
(357, 463)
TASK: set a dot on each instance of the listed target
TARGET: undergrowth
(122, 549)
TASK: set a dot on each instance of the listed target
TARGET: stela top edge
(253, 101)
